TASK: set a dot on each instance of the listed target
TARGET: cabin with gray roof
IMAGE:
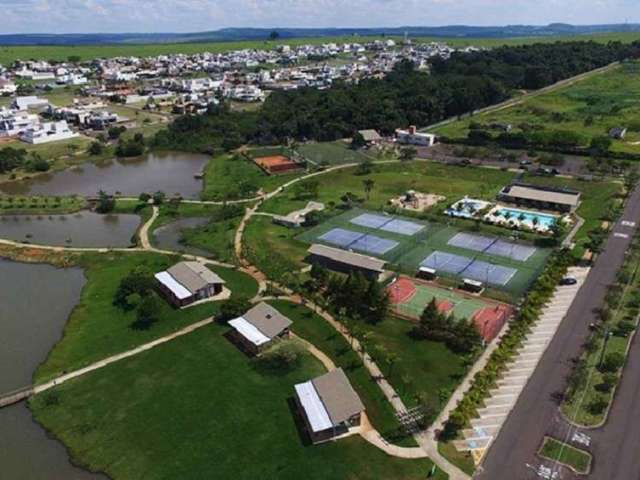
(346, 262)
(542, 197)
(329, 406)
(259, 328)
(189, 282)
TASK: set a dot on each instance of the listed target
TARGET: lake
(82, 229)
(35, 302)
(168, 236)
(170, 172)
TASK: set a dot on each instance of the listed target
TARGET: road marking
(620, 235)
(581, 438)
(627, 223)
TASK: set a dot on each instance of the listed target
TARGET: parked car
(524, 163)
(568, 281)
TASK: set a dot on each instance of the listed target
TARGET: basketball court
(410, 297)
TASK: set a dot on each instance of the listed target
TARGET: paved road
(536, 412)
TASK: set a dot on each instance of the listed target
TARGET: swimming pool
(544, 220)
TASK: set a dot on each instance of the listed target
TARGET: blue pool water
(544, 220)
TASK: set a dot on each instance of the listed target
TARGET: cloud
(74, 16)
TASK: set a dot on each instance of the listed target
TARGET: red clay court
(410, 297)
(277, 164)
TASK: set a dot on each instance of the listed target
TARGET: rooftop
(543, 194)
(349, 258)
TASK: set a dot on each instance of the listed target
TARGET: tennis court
(410, 297)
(469, 268)
(446, 262)
(492, 246)
(363, 242)
(387, 223)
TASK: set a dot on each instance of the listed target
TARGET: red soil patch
(490, 320)
(276, 164)
(401, 291)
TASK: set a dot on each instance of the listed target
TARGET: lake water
(168, 236)
(35, 302)
(171, 173)
(82, 229)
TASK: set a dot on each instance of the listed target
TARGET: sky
(111, 16)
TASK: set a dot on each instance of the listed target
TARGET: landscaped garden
(577, 460)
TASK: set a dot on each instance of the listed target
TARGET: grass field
(590, 107)
(332, 153)
(391, 180)
(231, 178)
(197, 408)
(411, 251)
(9, 54)
(578, 460)
(97, 328)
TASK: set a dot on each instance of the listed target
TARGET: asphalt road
(616, 447)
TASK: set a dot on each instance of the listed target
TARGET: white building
(13, 123)
(25, 103)
(413, 137)
(7, 87)
(48, 132)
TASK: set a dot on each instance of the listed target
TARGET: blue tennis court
(446, 262)
(341, 237)
(387, 223)
(402, 227)
(371, 220)
(511, 250)
(374, 245)
(488, 273)
(478, 243)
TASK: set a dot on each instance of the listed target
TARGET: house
(329, 406)
(371, 137)
(545, 198)
(25, 103)
(413, 137)
(48, 132)
(13, 123)
(618, 133)
(259, 328)
(188, 282)
(7, 87)
(346, 262)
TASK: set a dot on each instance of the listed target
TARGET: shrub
(282, 358)
(612, 362)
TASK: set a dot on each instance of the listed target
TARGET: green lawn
(578, 460)
(197, 408)
(423, 371)
(40, 205)
(316, 330)
(216, 237)
(391, 180)
(97, 328)
(332, 153)
(462, 460)
(231, 178)
(590, 107)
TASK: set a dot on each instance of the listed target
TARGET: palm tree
(368, 186)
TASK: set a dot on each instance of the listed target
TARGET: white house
(413, 137)
(7, 87)
(48, 132)
(15, 123)
(25, 103)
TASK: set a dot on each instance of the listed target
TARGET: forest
(406, 96)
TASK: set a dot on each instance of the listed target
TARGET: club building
(259, 328)
(189, 282)
(329, 405)
(346, 262)
(545, 198)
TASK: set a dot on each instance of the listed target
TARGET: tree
(368, 184)
(148, 312)
(408, 153)
(139, 281)
(274, 35)
(612, 362)
(233, 308)
(106, 203)
(600, 146)
(96, 148)
(158, 198)
(365, 167)
(358, 141)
